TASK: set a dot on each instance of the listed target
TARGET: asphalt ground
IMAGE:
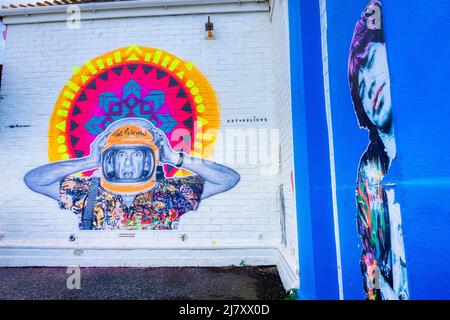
(186, 283)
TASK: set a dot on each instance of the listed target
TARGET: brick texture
(248, 67)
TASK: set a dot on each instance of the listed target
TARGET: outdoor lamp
(209, 30)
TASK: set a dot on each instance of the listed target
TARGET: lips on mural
(138, 82)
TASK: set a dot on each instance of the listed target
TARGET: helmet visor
(125, 164)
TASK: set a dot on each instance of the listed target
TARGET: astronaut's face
(127, 164)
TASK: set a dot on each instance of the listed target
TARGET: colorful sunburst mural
(135, 82)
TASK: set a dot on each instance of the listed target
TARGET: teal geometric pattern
(131, 104)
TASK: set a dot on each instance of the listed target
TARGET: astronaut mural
(128, 142)
(383, 263)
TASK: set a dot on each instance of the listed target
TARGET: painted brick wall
(323, 24)
(244, 66)
(283, 116)
(327, 95)
(419, 173)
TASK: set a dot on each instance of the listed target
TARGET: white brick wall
(283, 116)
(248, 67)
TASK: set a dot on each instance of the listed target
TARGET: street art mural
(2, 46)
(128, 142)
(383, 263)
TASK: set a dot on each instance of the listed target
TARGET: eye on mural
(383, 263)
(128, 142)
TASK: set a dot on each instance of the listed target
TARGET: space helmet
(129, 159)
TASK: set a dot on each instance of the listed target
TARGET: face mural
(383, 263)
(374, 86)
(127, 142)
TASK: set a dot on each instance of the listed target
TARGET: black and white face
(129, 164)
(374, 86)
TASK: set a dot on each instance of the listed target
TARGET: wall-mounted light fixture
(209, 30)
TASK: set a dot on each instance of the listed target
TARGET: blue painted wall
(418, 53)
(350, 141)
(317, 250)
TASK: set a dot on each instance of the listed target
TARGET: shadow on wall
(2, 46)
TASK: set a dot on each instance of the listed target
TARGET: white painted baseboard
(288, 271)
(112, 254)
